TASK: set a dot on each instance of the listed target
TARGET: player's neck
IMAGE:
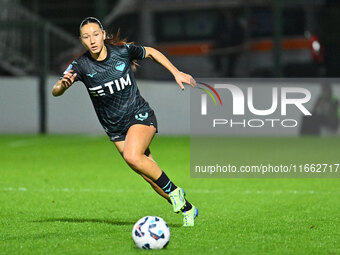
(101, 55)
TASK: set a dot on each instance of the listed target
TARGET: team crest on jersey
(119, 66)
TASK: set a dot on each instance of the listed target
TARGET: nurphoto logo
(241, 102)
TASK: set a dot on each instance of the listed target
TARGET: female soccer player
(106, 69)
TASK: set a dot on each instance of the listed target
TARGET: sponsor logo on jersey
(119, 66)
(119, 84)
(142, 117)
(91, 74)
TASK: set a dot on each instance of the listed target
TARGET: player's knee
(132, 158)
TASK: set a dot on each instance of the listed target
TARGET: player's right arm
(62, 85)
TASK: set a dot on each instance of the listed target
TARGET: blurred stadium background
(73, 194)
(217, 38)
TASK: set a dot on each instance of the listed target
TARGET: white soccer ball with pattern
(151, 232)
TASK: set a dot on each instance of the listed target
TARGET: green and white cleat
(189, 217)
(177, 198)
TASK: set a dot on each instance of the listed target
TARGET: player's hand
(68, 79)
(181, 78)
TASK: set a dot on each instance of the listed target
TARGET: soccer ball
(151, 232)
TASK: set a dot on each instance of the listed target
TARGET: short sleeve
(135, 52)
(75, 67)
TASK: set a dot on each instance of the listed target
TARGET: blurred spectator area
(67, 14)
(207, 38)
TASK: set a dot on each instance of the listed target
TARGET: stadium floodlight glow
(316, 46)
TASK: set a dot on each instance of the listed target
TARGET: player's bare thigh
(120, 147)
(138, 139)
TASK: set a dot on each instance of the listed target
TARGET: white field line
(29, 142)
(201, 191)
(22, 143)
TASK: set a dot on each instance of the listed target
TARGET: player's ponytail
(116, 40)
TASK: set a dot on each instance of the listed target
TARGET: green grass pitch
(75, 195)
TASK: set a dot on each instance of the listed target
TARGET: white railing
(21, 33)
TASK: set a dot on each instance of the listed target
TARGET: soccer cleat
(189, 217)
(177, 198)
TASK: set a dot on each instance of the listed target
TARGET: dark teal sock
(165, 183)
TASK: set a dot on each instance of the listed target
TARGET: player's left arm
(179, 76)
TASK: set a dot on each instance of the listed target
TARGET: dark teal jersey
(112, 87)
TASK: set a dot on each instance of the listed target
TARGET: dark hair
(110, 39)
(91, 20)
